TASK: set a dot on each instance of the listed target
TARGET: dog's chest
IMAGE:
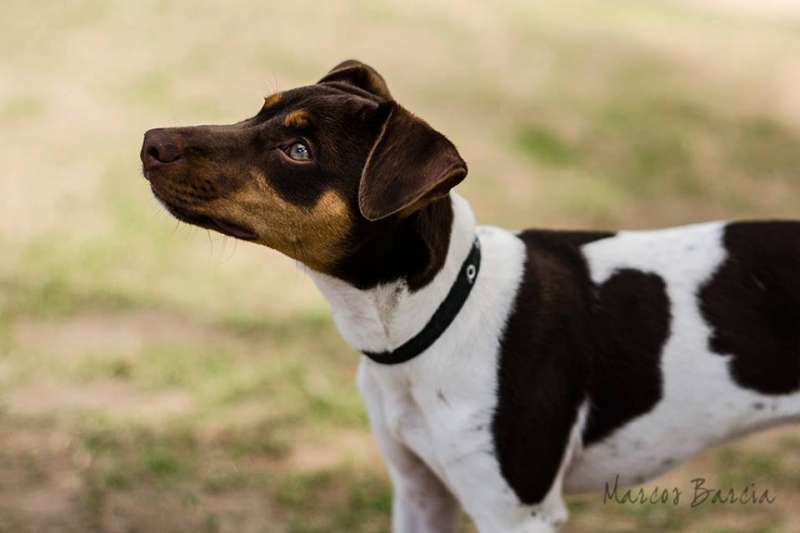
(433, 420)
(441, 404)
(409, 416)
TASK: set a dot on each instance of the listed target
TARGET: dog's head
(319, 170)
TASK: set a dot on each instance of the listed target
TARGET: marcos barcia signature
(697, 493)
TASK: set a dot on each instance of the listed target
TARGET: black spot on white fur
(440, 395)
(752, 304)
(632, 324)
(569, 340)
(541, 367)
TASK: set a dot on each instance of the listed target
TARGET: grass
(155, 377)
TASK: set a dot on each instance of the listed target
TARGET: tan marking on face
(296, 119)
(272, 99)
(315, 236)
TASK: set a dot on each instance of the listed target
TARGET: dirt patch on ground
(40, 482)
(46, 486)
(241, 511)
(353, 446)
(119, 334)
(113, 398)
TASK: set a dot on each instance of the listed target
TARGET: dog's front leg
(422, 503)
(494, 507)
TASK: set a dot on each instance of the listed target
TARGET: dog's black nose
(160, 147)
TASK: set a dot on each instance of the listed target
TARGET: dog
(500, 370)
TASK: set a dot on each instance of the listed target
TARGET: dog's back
(696, 339)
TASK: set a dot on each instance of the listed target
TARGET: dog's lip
(233, 230)
(215, 223)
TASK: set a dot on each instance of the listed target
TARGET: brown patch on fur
(272, 99)
(296, 119)
(314, 235)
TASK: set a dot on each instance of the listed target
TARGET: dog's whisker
(190, 233)
(156, 210)
(175, 229)
(232, 252)
(275, 81)
(270, 89)
(305, 259)
(296, 261)
(265, 89)
(211, 243)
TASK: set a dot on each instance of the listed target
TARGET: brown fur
(272, 99)
(296, 119)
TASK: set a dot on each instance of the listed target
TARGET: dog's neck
(383, 317)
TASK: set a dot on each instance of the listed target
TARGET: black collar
(442, 318)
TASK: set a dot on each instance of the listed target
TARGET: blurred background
(154, 377)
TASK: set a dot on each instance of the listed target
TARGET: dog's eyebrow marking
(296, 119)
(272, 99)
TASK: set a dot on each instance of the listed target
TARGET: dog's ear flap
(410, 165)
(359, 75)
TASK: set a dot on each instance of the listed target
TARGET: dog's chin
(204, 221)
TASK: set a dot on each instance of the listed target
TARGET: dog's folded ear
(410, 165)
(358, 75)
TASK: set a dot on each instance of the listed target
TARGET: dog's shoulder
(542, 368)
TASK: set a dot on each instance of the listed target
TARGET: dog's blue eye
(299, 152)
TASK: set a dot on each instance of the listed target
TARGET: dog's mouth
(214, 223)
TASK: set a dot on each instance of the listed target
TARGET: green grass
(362, 505)
(547, 146)
(763, 146)
(22, 107)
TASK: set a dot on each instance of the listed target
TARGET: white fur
(432, 416)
